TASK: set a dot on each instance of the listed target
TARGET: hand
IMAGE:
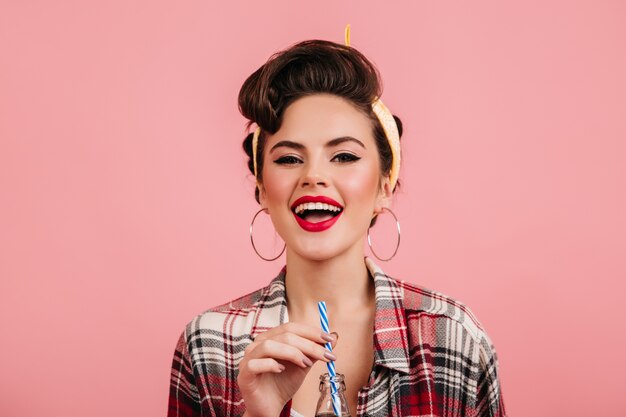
(275, 365)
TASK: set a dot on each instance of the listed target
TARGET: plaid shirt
(431, 355)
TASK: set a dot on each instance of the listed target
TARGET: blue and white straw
(321, 307)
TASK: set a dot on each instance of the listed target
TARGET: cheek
(277, 186)
(361, 184)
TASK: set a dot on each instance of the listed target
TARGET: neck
(343, 282)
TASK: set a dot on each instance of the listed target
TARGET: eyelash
(351, 157)
(290, 159)
(287, 160)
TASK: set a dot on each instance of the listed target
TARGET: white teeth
(316, 206)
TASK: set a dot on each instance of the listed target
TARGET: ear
(385, 195)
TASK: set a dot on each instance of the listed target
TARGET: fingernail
(307, 361)
(336, 335)
(328, 337)
(330, 356)
(281, 368)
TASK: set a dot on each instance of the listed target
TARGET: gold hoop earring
(369, 240)
(252, 240)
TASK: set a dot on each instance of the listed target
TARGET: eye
(288, 160)
(345, 157)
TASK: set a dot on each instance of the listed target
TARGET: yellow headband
(386, 120)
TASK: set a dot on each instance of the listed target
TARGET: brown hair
(306, 68)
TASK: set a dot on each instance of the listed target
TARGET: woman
(326, 157)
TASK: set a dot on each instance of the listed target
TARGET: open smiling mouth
(315, 216)
(316, 212)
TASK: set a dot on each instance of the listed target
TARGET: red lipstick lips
(320, 226)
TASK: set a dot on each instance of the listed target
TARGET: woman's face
(322, 182)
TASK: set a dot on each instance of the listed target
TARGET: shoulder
(237, 322)
(455, 338)
(425, 306)
(449, 327)
(228, 318)
(214, 341)
(420, 300)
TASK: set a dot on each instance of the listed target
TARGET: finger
(312, 333)
(311, 349)
(250, 347)
(277, 350)
(264, 365)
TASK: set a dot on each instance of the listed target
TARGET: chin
(319, 252)
(316, 254)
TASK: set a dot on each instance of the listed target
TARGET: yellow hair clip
(389, 126)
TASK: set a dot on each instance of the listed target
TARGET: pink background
(125, 201)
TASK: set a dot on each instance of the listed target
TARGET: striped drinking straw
(321, 307)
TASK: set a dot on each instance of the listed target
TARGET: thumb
(333, 344)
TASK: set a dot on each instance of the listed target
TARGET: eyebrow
(329, 144)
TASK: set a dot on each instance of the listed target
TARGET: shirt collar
(390, 332)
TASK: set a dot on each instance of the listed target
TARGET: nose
(313, 175)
